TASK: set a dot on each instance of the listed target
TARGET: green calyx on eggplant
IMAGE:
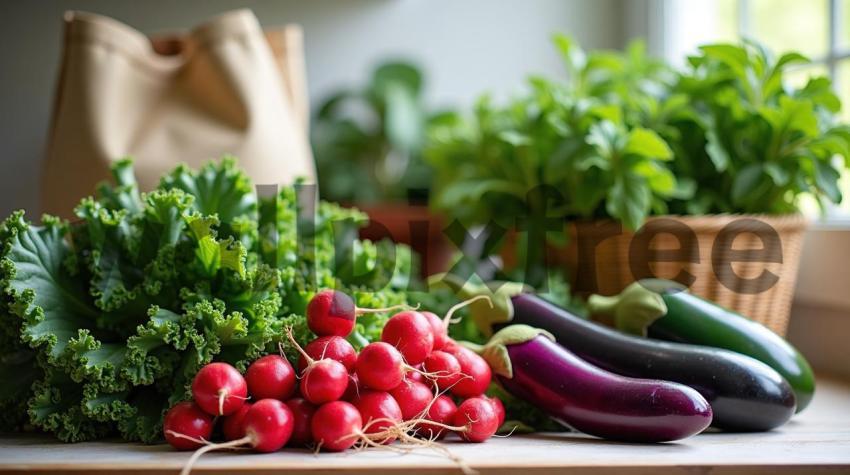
(691, 319)
(529, 364)
(745, 394)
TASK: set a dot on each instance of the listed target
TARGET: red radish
(450, 346)
(440, 327)
(415, 375)
(271, 377)
(498, 407)
(442, 411)
(219, 389)
(188, 420)
(475, 372)
(331, 347)
(441, 335)
(336, 426)
(380, 366)
(413, 398)
(322, 380)
(443, 368)
(411, 333)
(233, 426)
(478, 418)
(331, 312)
(302, 416)
(379, 411)
(353, 388)
(267, 424)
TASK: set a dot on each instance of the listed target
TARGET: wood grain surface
(816, 441)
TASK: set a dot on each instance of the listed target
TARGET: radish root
(402, 306)
(301, 351)
(448, 318)
(209, 447)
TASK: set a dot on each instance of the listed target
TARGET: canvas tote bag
(225, 88)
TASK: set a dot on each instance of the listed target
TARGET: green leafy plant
(564, 150)
(749, 142)
(368, 142)
(104, 321)
(625, 137)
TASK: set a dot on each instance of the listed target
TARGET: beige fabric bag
(226, 88)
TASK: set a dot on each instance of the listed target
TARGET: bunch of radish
(416, 384)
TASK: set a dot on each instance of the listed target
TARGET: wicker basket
(605, 265)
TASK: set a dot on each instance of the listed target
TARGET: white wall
(466, 46)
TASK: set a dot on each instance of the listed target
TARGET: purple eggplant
(530, 365)
(745, 394)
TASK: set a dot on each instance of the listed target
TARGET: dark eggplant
(530, 365)
(745, 394)
(691, 319)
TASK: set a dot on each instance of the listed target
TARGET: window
(820, 29)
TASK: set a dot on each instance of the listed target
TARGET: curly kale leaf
(105, 322)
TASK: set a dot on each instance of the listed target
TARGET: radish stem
(448, 318)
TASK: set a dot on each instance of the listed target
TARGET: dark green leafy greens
(564, 150)
(104, 321)
(625, 137)
(748, 141)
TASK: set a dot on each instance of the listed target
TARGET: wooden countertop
(816, 441)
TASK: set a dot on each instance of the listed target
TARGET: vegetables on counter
(530, 364)
(107, 319)
(691, 319)
(745, 394)
(113, 322)
(380, 403)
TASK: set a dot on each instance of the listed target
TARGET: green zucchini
(694, 320)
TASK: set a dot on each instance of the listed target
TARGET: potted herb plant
(368, 143)
(628, 153)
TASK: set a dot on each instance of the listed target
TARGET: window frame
(836, 52)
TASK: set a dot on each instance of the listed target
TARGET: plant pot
(747, 263)
(414, 225)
